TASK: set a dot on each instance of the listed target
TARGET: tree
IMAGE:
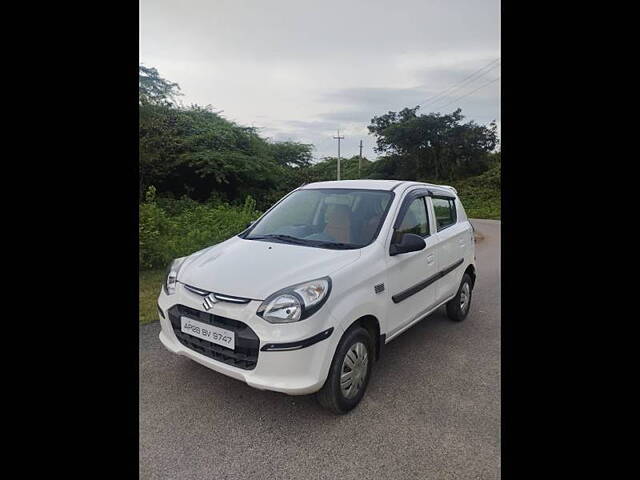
(327, 169)
(292, 154)
(431, 145)
(194, 151)
(161, 141)
(155, 90)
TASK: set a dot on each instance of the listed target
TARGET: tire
(358, 344)
(456, 310)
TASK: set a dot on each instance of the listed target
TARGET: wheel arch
(372, 325)
(471, 271)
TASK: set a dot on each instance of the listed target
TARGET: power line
(482, 71)
(458, 85)
(469, 80)
(467, 94)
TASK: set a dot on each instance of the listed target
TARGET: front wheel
(458, 306)
(349, 373)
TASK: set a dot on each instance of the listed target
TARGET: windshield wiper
(307, 242)
(337, 245)
(283, 238)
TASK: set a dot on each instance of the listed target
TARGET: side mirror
(409, 242)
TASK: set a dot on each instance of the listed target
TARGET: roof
(371, 184)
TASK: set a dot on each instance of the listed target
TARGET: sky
(301, 70)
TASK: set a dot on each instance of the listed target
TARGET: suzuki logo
(209, 301)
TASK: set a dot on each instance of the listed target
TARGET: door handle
(430, 258)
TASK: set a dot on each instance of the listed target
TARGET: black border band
(398, 297)
(286, 347)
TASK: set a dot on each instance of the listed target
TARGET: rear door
(453, 237)
(408, 272)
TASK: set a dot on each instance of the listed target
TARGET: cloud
(301, 70)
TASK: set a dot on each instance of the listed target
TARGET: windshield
(330, 218)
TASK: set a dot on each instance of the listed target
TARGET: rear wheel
(349, 373)
(458, 306)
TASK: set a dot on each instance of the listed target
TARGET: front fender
(358, 301)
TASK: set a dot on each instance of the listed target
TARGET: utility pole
(338, 138)
(360, 162)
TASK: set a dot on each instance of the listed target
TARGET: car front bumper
(294, 367)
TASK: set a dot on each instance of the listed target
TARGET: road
(432, 409)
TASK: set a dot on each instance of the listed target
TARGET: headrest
(339, 214)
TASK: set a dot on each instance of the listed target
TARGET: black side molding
(397, 298)
(452, 267)
(285, 347)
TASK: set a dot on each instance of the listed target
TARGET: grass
(149, 284)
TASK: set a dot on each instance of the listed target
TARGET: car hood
(255, 269)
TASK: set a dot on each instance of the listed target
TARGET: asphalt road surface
(431, 411)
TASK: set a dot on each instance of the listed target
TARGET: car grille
(247, 343)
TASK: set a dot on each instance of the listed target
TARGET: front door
(409, 273)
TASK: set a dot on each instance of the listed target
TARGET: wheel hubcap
(465, 294)
(354, 370)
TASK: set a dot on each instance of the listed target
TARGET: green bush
(170, 229)
(481, 195)
(173, 206)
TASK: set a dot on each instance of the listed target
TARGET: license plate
(212, 334)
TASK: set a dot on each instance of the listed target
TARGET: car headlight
(296, 302)
(171, 277)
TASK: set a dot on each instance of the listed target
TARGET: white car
(307, 296)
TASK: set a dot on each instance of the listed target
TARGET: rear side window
(445, 211)
(415, 219)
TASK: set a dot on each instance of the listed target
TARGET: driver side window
(415, 219)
